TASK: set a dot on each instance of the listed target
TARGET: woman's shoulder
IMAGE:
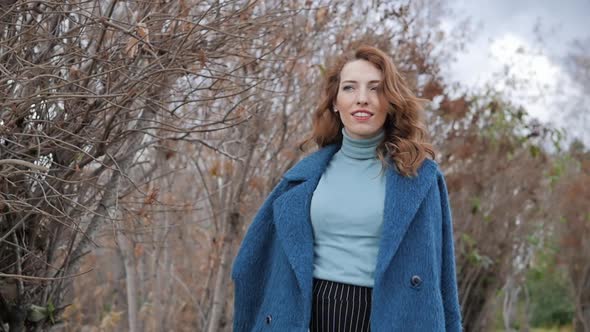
(432, 164)
(439, 174)
(434, 168)
(428, 168)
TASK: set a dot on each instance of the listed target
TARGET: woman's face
(358, 101)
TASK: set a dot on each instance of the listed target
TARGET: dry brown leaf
(152, 196)
(138, 250)
(321, 16)
(184, 8)
(143, 32)
(111, 320)
(228, 167)
(131, 47)
(202, 57)
(214, 170)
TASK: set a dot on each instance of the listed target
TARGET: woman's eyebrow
(352, 81)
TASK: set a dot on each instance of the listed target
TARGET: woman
(358, 235)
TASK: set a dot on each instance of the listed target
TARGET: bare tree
(147, 133)
(88, 94)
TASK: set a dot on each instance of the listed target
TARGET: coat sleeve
(251, 264)
(257, 235)
(449, 290)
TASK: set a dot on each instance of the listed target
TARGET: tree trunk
(229, 229)
(220, 289)
(582, 320)
(581, 281)
(128, 255)
(510, 303)
(164, 279)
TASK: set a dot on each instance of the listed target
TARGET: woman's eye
(347, 87)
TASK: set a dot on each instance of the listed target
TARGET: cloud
(506, 42)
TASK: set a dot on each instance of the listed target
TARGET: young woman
(358, 235)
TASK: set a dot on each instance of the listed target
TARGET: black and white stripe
(339, 307)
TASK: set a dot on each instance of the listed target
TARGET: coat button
(416, 280)
(268, 319)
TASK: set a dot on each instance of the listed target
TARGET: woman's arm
(448, 275)
(251, 265)
(257, 236)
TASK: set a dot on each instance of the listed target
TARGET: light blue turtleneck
(347, 213)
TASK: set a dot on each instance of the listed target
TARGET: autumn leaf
(152, 196)
(143, 32)
(432, 89)
(214, 170)
(138, 250)
(202, 57)
(321, 16)
(131, 47)
(228, 167)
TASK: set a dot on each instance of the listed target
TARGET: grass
(566, 328)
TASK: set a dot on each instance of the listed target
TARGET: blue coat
(415, 285)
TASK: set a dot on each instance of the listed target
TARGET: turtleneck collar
(364, 148)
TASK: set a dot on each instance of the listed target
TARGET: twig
(18, 276)
(23, 163)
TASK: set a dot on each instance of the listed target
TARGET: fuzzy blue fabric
(415, 282)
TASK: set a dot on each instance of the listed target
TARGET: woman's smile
(362, 115)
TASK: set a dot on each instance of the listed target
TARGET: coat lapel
(291, 211)
(291, 214)
(292, 217)
(403, 196)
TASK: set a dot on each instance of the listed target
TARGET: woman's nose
(362, 97)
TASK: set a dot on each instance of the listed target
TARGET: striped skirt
(340, 307)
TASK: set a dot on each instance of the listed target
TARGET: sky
(504, 34)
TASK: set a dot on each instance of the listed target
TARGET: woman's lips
(362, 116)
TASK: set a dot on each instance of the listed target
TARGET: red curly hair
(405, 134)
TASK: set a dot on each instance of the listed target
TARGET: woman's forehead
(360, 71)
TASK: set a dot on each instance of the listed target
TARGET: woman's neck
(361, 148)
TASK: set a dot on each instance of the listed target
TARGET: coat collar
(313, 165)
(403, 196)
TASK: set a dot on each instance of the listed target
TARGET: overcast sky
(502, 27)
